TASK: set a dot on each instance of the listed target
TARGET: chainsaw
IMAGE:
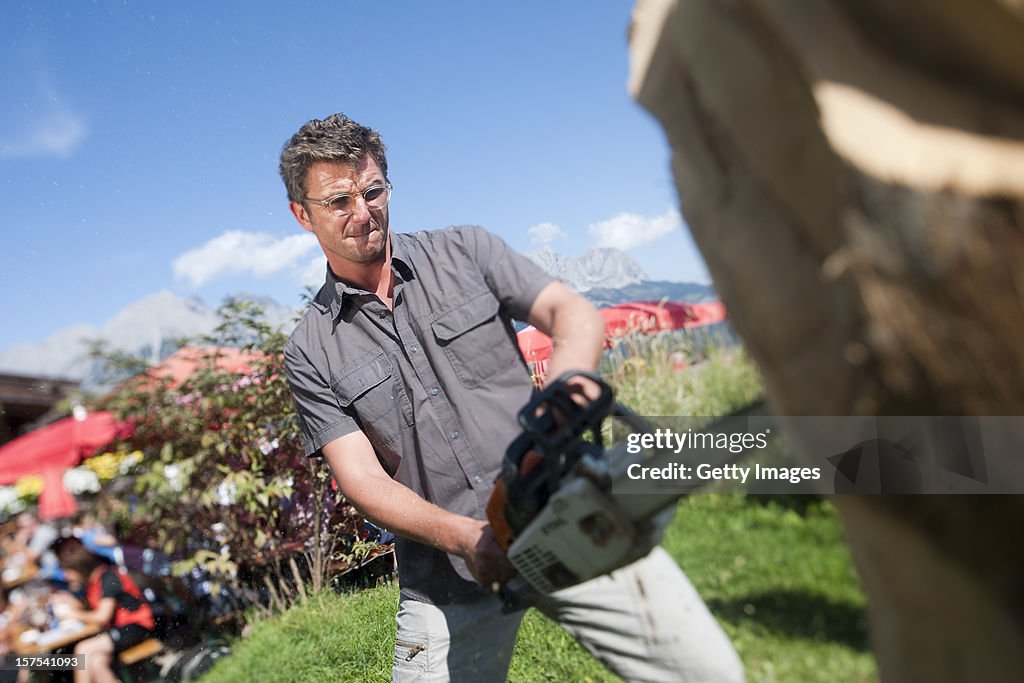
(554, 508)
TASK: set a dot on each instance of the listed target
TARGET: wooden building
(25, 399)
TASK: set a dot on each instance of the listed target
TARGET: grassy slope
(773, 570)
(778, 578)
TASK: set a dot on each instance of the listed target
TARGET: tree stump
(853, 173)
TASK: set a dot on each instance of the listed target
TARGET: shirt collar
(335, 291)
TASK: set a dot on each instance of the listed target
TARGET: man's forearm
(390, 504)
(397, 508)
(577, 332)
(386, 502)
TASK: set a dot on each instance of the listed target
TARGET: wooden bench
(143, 650)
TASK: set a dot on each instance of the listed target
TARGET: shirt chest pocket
(476, 340)
(372, 390)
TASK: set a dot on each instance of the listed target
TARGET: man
(407, 378)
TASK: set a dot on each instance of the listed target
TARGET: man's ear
(301, 215)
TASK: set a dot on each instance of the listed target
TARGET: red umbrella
(55, 501)
(51, 450)
(536, 348)
(534, 344)
(649, 317)
(60, 445)
(644, 317)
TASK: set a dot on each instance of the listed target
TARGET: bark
(853, 173)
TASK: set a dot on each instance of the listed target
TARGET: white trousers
(645, 622)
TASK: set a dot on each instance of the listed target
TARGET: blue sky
(139, 141)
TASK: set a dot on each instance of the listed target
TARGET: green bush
(224, 484)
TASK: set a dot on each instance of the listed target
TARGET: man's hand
(581, 389)
(486, 559)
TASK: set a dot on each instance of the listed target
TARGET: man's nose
(361, 211)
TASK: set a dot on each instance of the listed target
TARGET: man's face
(359, 237)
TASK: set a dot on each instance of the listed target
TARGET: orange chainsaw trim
(496, 503)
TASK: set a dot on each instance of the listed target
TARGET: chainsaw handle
(556, 392)
(553, 419)
(537, 417)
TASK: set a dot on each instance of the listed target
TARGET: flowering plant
(29, 487)
(223, 450)
(81, 480)
(10, 502)
(109, 465)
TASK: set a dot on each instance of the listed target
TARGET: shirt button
(455, 434)
(383, 315)
(477, 479)
(434, 391)
(413, 349)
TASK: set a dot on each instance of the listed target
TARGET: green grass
(773, 570)
(331, 637)
(775, 573)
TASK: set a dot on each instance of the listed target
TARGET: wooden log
(853, 173)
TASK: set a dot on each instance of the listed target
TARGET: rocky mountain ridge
(596, 267)
(153, 326)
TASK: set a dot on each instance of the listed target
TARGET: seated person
(96, 538)
(33, 540)
(10, 615)
(116, 603)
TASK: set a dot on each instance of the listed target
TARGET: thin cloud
(54, 130)
(545, 233)
(629, 230)
(56, 136)
(237, 252)
(313, 274)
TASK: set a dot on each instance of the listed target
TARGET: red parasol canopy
(646, 317)
(55, 501)
(649, 317)
(60, 445)
(51, 450)
(534, 344)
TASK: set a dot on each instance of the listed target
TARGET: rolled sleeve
(321, 416)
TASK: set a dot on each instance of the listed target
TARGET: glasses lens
(341, 204)
(376, 196)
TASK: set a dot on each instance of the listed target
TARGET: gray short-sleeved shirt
(434, 384)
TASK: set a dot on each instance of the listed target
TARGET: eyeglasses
(375, 196)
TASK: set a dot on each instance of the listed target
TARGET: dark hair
(336, 138)
(73, 555)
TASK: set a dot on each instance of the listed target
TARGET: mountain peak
(597, 267)
(149, 327)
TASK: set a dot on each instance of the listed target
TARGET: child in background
(115, 601)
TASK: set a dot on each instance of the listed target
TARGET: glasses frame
(326, 202)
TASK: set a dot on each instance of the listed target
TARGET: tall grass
(648, 378)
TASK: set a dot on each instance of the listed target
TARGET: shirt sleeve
(513, 278)
(110, 586)
(321, 416)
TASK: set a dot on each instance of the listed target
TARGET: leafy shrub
(223, 484)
